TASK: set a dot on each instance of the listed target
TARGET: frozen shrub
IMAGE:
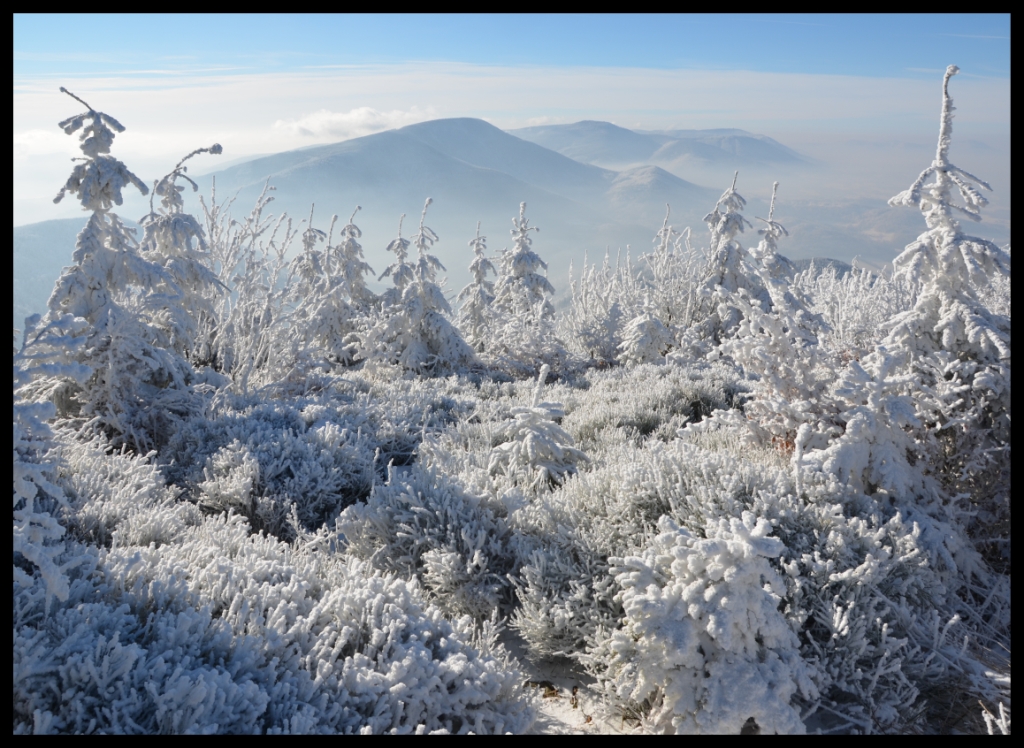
(250, 343)
(423, 526)
(536, 452)
(601, 297)
(675, 275)
(119, 499)
(264, 461)
(46, 350)
(645, 339)
(223, 631)
(703, 642)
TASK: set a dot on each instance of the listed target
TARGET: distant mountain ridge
(610, 145)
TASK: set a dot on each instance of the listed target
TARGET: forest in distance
(715, 491)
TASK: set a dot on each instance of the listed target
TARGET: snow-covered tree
(776, 342)
(400, 271)
(168, 240)
(728, 270)
(521, 289)
(477, 296)
(415, 332)
(955, 342)
(340, 308)
(347, 263)
(139, 380)
(726, 253)
(524, 334)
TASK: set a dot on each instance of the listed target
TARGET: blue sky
(859, 93)
(866, 45)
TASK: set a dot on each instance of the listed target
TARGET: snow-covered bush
(535, 450)
(46, 350)
(250, 343)
(224, 631)
(270, 460)
(601, 297)
(675, 273)
(422, 525)
(854, 307)
(704, 643)
(645, 339)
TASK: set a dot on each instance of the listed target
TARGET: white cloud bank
(328, 125)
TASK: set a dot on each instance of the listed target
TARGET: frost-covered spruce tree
(776, 342)
(343, 307)
(318, 315)
(168, 240)
(774, 269)
(476, 298)
(415, 332)
(400, 271)
(524, 333)
(727, 272)
(139, 383)
(347, 264)
(955, 342)
(522, 290)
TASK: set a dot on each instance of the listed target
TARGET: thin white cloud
(351, 124)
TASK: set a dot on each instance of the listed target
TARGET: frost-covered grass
(252, 496)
